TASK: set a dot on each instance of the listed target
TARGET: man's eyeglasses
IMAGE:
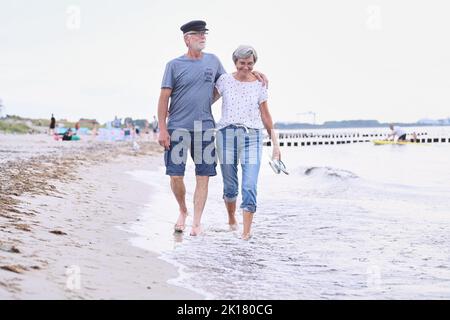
(198, 33)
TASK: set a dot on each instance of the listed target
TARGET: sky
(381, 60)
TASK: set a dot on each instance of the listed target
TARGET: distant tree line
(348, 124)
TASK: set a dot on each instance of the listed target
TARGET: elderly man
(189, 84)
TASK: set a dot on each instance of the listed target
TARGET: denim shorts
(201, 145)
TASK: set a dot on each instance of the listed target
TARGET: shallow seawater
(349, 222)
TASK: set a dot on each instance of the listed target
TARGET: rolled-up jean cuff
(227, 199)
(251, 209)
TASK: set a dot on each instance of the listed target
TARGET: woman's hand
(276, 154)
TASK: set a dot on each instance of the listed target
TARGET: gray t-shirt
(192, 83)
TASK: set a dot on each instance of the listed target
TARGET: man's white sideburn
(186, 38)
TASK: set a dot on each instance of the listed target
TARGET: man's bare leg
(200, 196)
(179, 191)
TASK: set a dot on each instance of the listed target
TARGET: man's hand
(261, 78)
(164, 139)
(216, 95)
(163, 106)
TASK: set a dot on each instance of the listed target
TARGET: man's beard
(199, 46)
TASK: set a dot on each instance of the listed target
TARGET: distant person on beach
(94, 131)
(155, 128)
(68, 135)
(245, 113)
(52, 125)
(128, 131)
(116, 123)
(189, 84)
(397, 131)
(146, 130)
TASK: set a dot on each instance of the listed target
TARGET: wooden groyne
(304, 138)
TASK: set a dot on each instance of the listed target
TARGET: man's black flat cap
(196, 25)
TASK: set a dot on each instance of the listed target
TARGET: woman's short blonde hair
(244, 52)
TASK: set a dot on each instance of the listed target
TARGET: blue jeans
(238, 144)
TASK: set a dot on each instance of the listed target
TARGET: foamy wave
(330, 172)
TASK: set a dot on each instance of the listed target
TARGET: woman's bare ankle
(196, 229)
(232, 219)
(246, 236)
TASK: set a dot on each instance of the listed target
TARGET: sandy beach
(62, 206)
(94, 220)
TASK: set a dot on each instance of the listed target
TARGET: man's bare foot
(234, 227)
(196, 230)
(180, 226)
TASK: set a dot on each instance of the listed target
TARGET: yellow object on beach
(383, 142)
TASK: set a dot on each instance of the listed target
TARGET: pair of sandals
(278, 166)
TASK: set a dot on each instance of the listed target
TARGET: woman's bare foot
(196, 230)
(231, 209)
(246, 236)
(180, 226)
(232, 222)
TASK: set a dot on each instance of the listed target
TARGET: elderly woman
(245, 114)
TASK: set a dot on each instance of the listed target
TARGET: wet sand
(63, 206)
